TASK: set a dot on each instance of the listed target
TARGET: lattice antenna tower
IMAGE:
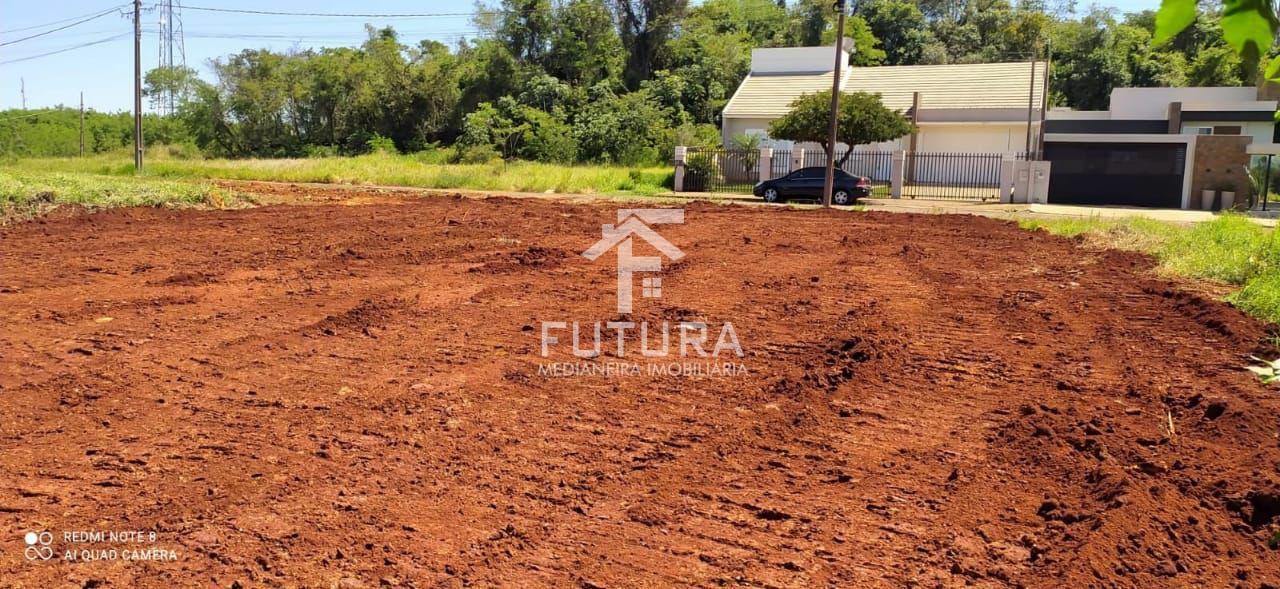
(173, 51)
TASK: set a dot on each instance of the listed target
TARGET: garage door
(1129, 174)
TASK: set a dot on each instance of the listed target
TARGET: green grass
(422, 170)
(1230, 249)
(24, 193)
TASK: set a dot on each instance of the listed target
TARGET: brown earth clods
(350, 396)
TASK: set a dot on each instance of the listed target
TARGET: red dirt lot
(350, 396)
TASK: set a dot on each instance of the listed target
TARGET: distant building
(1158, 147)
(979, 107)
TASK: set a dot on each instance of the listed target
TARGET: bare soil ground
(349, 396)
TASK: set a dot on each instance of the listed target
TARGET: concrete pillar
(895, 173)
(797, 158)
(681, 152)
(765, 165)
(1007, 166)
(914, 145)
(1175, 118)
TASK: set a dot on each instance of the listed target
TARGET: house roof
(952, 86)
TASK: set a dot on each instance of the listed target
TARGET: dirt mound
(340, 395)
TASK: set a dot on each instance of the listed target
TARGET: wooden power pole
(828, 184)
(137, 85)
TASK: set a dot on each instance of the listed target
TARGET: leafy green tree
(1248, 26)
(519, 131)
(584, 46)
(862, 119)
(176, 80)
(899, 26)
(1215, 66)
(524, 27)
(645, 27)
(627, 129)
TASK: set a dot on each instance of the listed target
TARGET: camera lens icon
(38, 545)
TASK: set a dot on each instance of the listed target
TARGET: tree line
(626, 80)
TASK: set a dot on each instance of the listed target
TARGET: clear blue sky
(104, 71)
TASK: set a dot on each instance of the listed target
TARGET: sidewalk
(905, 205)
(1044, 211)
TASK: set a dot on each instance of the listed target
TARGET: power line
(328, 14)
(66, 49)
(321, 36)
(34, 114)
(61, 28)
(58, 22)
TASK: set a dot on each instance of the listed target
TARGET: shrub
(697, 170)
(321, 151)
(478, 154)
(380, 144)
(434, 154)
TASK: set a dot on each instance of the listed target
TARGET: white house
(1158, 147)
(980, 107)
(1174, 111)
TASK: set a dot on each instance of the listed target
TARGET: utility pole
(22, 87)
(1031, 101)
(137, 85)
(829, 183)
(1044, 96)
(81, 123)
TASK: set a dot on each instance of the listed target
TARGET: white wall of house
(1260, 131)
(1153, 103)
(732, 127)
(975, 138)
(1001, 137)
(776, 60)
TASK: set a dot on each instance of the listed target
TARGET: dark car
(807, 183)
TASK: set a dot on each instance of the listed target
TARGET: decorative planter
(1228, 200)
(1206, 200)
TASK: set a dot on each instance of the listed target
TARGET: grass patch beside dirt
(26, 192)
(422, 170)
(1230, 249)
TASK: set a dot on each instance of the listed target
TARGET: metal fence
(721, 170)
(875, 165)
(781, 163)
(926, 175)
(952, 176)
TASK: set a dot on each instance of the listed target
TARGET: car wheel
(842, 197)
(771, 195)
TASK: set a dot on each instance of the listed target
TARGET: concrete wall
(1219, 160)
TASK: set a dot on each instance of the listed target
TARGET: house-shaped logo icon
(636, 222)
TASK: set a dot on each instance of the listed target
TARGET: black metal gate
(952, 176)
(1131, 174)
